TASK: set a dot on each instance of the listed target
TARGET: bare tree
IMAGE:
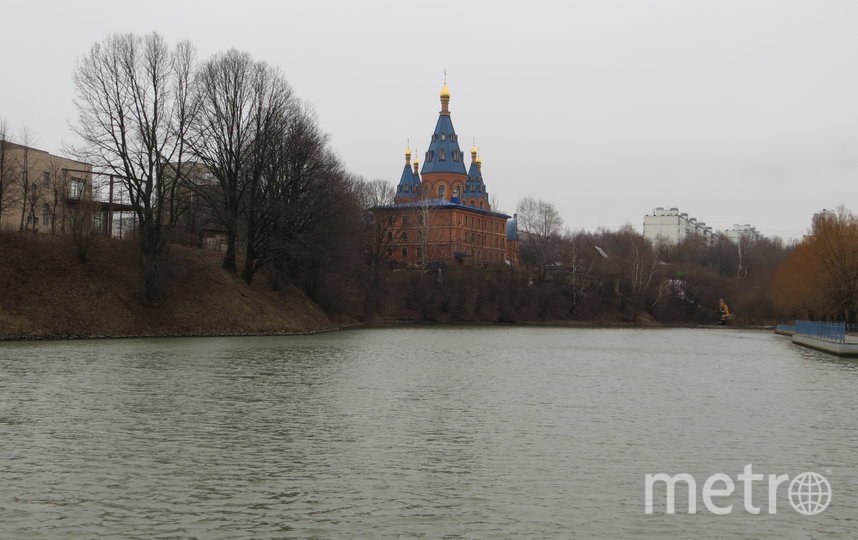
(241, 103)
(425, 213)
(540, 225)
(55, 189)
(134, 109)
(8, 173)
(374, 193)
(81, 213)
(28, 189)
(307, 186)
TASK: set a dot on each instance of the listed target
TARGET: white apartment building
(738, 232)
(669, 225)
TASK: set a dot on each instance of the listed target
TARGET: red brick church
(442, 214)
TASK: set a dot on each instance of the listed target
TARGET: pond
(453, 432)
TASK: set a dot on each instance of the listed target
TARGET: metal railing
(826, 331)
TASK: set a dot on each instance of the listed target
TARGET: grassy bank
(46, 293)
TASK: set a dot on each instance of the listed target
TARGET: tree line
(152, 115)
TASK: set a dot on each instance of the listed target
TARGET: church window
(442, 191)
(434, 137)
(442, 155)
(456, 191)
(443, 136)
(455, 156)
(454, 137)
(481, 204)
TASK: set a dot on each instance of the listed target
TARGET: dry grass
(45, 292)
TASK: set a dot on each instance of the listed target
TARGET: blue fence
(826, 331)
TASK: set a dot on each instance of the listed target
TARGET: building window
(442, 191)
(404, 235)
(405, 252)
(434, 137)
(443, 136)
(389, 235)
(454, 137)
(405, 220)
(46, 215)
(389, 252)
(47, 179)
(442, 156)
(420, 252)
(77, 185)
(456, 191)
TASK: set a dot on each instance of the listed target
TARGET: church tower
(409, 183)
(475, 189)
(444, 174)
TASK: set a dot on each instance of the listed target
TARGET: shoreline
(379, 325)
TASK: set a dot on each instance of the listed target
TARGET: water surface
(463, 432)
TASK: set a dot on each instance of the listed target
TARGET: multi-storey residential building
(38, 190)
(669, 225)
(739, 232)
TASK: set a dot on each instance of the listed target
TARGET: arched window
(457, 191)
(442, 155)
(442, 191)
(481, 204)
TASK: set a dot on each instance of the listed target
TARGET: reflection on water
(419, 432)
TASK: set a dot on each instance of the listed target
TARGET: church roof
(408, 176)
(475, 187)
(444, 154)
(440, 204)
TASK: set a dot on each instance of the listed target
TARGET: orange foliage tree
(819, 279)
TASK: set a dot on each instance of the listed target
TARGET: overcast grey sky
(734, 111)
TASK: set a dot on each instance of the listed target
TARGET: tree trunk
(229, 257)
